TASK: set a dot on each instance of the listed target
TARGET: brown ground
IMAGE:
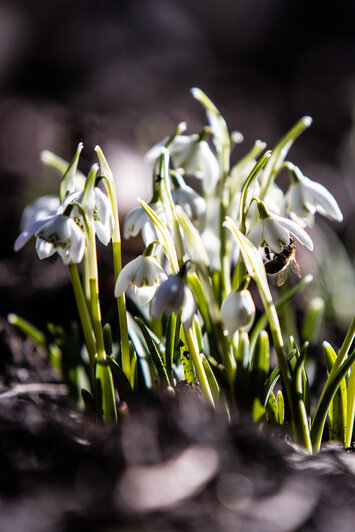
(171, 464)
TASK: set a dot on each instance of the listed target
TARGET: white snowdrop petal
(317, 193)
(210, 168)
(188, 309)
(103, 206)
(126, 276)
(149, 233)
(238, 312)
(296, 231)
(155, 152)
(149, 272)
(73, 197)
(42, 207)
(144, 294)
(307, 219)
(256, 233)
(44, 249)
(294, 198)
(212, 244)
(77, 242)
(66, 237)
(275, 235)
(133, 222)
(29, 232)
(193, 204)
(169, 297)
(183, 152)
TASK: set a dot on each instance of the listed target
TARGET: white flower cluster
(194, 220)
(58, 222)
(272, 219)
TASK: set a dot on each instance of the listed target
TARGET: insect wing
(282, 276)
(296, 268)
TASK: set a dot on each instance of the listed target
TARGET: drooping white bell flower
(274, 231)
(144, 274)
(138, 220)
(274, 201)
(306, 197)
(238, 312)
(103, 219)
(57, 233)
(193, 204)
(193, 155)
(172, 296)
(40, 208)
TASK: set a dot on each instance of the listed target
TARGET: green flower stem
(218, 333)
(299, 418)
(256, 270)
(240, 270)
(117, 263)
(280, 152)
(243, 209)
(94, 293)
(85, 276)
(224, 202)
(84, 315)
(291, 293)
(169, 205)
(122, 313)
(172, 326)
(201, 374)
(350, 407)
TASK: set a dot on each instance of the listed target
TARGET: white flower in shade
(102, 216)
(192, 155)
(306, 197)
(144, 274)
(213, 248)
(57, 233)
(172, 296)
(238, 312)
(192, 203)
(274, 231)
(138, 220)
(40, 208)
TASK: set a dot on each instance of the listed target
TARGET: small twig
(48, 389)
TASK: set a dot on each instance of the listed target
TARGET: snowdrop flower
(274, 231)
(274, 202)
(193, 204)
(306, 197)
(56, 233)
(172, 296)
(238, 312)
(144, 274)
(138, 220)
(40, 208)
(193, 155)
(213, 248)
(102, 216)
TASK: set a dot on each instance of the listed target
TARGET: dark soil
(169, 464)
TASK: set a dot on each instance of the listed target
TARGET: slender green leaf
(153, 350)
(104, 382)
(337, 415)
(212, 381)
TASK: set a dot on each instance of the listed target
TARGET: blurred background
(118, 74)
